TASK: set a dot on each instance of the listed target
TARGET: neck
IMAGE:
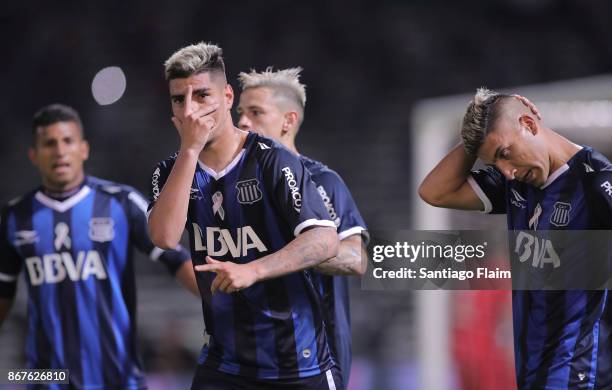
(560, 150)
(62, 192)
(289, 143)
(222, 150)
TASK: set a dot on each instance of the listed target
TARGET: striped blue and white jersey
(77, 256)
(562, 339)
(334, 289)
(252, 208)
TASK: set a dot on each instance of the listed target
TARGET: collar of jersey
(562, 169)
(66, 204)
(224, 171)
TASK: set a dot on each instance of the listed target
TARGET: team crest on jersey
(62, 236)
(101, 229)
(561, 214)
(248, 191)
(25, 237)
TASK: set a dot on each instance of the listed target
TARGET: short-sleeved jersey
(334, 289)
(77, 255)
(252, 208)
(561, 338)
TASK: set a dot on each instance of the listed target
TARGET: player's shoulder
(268, 151)
(166, 164)
(321, 173)
(594, 161)
(597, 173)
(108, 187)
(19, 201)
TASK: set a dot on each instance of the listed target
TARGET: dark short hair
(480, 118)
(54, 113)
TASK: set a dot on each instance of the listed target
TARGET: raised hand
(195, 126)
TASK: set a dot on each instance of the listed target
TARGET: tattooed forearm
(307, 250)
(348, 261)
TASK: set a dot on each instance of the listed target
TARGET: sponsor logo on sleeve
(155, 183)
(296, 196)
(607, 188)
(329, 205)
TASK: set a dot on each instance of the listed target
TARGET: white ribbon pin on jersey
(61, 236)
(533, 222)
(217, 199)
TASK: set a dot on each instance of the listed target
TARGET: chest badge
(101, 229)
(248, 191)
(217, 207)
(561, 214)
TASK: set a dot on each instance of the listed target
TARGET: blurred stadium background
(387, 84)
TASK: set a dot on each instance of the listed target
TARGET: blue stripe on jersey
(535, 336)
(593, 365)
(109, 365)
(223, 312)
(86, 292)
(116, 261)
(66, 292)
(304, 326)
(45, 295)
(572, 313)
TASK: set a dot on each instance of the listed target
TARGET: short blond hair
(479, 119)
(285, 82)
(194, 59)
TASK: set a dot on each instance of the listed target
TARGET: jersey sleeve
(10, 261)
(139, 235)
(490, 186)
(602, 198)
(293, 191)
(158, 180)
(340, 205)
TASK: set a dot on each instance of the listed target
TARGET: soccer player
(542, 181)
(272, 104)
(255, 221)
(74, 235)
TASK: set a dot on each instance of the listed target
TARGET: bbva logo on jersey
(539, 250)
(220, 241)
(54, 267)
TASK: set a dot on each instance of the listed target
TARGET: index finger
(187, 106)
(208, 267)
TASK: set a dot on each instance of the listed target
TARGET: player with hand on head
(74, 235)
(272, 104)
(255, 222)
(561, 338)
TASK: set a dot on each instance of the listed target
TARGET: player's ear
(84, 150)
(229, 96)
(32, 156)
(529, 123)
(290, 121)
